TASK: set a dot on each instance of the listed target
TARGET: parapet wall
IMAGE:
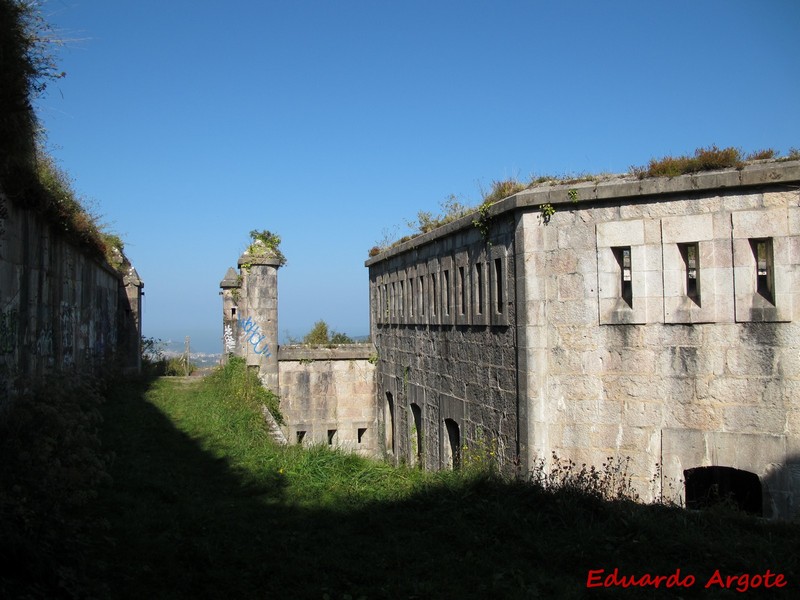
(60, 309)
(327, 396)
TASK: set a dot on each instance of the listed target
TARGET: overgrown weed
(238, 384)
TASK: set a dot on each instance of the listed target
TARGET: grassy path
(204, 506)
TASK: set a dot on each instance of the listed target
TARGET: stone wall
(327, 396)
(59, 308)
(698, 366)
(653, 321)
(443, 320)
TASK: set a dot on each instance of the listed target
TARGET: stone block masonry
(326, 394)
(654, 320)
(60, 309)
(443, 318)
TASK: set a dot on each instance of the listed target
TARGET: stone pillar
(258, 316)
(231, 292)
(133, 285)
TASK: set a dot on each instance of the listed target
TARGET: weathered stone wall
(671, 379)
(327, 396)
(655, 320)
(443, 321)
(59, 308)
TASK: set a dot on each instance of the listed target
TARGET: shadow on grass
(185, 524)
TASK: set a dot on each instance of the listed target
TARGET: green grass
(203, 505)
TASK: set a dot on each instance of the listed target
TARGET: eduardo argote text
(741, 582)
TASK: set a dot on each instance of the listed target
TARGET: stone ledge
(258, 260)
(338, 352)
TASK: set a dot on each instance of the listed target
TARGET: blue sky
(188, 123)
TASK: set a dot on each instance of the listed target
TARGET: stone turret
(250, 311)
(231, 293)
(131, 324)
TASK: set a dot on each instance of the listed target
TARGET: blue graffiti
(250, 327)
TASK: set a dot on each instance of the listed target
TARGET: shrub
(609, 482)
(178, 366)
(704, 159)
(320, 335)
(503, 189)
(266, 243)
(765, 154)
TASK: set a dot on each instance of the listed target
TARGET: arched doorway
(416, 435)
(451, 455)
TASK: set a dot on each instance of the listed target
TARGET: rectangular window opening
(479, 286)
(462, 305)
(331, 436)
(421, 296)
(498, 282)
(411, 297)
(765, 270)
(691, 260)
(401, 300)
(446, 293)
(233, 311)
(300, 436)
(623, 256)
(361, 432)
(434, 296)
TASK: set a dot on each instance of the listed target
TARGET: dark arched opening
(452, 445)
(706, 486)
(416, 435)
(389, 418)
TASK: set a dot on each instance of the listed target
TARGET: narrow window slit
(463, 297)
(498, 282)
(765, 272)
(691, 260)
(446, 293)
(421, 295)
(479, 285)
(623, 256)
(434, 296)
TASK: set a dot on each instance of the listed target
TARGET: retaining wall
(60, 309)
(327, 396)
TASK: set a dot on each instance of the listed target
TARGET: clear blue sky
(188, 123)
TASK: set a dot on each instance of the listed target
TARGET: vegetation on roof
(29, 176)
(265, 243)
(704, 159)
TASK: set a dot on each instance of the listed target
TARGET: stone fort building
(327, 395)
(654, 320)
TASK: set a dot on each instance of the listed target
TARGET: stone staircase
(275, 431)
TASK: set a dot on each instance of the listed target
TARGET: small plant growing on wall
(265, 243)
(483, 221)
(547, 211)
